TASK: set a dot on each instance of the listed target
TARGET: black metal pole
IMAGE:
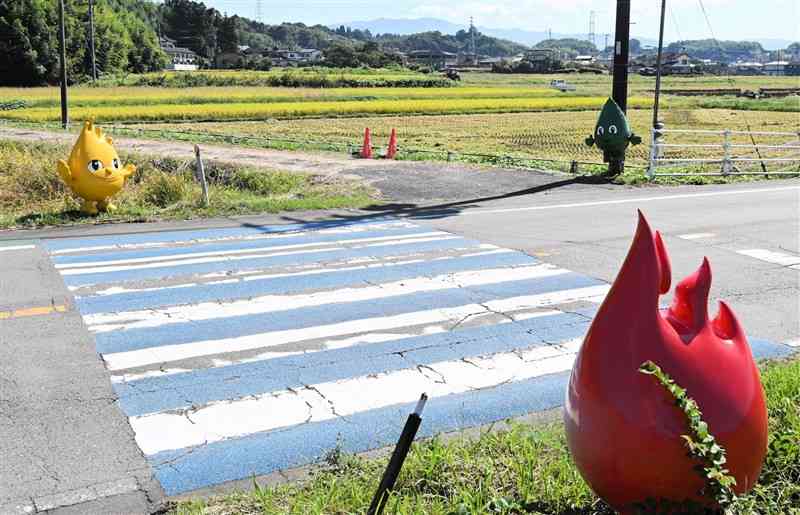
(91, 40)
(63, 42)
(658, 64)
(621, 49)
(620, 88)
(398, 457)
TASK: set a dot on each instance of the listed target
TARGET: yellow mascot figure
(94, 171)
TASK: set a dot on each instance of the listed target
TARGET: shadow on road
(445, 209)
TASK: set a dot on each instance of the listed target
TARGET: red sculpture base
(623, 429)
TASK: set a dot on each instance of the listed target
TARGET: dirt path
(322, 163)
(407, 182)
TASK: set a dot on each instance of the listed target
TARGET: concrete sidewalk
(65, 445)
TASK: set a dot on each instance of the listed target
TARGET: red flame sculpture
(623, 429)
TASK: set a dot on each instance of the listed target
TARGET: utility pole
(259, 17)
(91, 40)
(592, 27)
(472, 41)
(620, 89)
(658, 64)
(63, 41)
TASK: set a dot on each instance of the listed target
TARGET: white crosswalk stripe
(773, 256)
(334, 321)
(227, 345)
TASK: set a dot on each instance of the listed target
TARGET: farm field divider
(312, 109)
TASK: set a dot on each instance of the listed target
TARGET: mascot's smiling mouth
(108, 177)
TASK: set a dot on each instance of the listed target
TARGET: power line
(675, 22)
(732, 83)
(473, 48)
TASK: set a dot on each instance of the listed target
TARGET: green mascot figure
(612, 134)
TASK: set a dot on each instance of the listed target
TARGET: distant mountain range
(522, 36)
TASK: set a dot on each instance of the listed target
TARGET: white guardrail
(722, 153)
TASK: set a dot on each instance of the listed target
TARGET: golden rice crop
(283, 110)
(86, 97)
(548, 135)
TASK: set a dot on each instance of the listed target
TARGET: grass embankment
(32, 194)
(522, 470)
(315, 77)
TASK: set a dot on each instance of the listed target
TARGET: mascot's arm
(64, 171)
(128, 170)
(635, 140)
(589, 141)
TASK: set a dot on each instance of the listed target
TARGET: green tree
(28, 49)
(227, 37)
(341, 55)
(112, 42)
(145, 54)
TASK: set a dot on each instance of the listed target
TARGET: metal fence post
(726, 147)
(651, 167)
(201, 175)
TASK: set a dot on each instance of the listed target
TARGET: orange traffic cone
(391, 152)
(366, 150)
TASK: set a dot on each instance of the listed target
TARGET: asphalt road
(56, 392)
(590, 233)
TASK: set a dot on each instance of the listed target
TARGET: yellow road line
(30, 312)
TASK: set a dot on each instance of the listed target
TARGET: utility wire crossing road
(249, 350)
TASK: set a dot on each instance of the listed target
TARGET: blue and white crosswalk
(240, 352)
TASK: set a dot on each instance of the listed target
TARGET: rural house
(295, 57)
(747, 68)
(678, 64)
(180, 59)
(776, 68)
(436, 59)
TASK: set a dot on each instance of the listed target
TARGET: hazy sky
(729, 19)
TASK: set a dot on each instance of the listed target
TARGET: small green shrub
(275, 183)
(163, 189)
(24, 177)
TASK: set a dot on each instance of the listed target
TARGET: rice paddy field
(486, 118)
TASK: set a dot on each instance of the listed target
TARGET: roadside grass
(525, 469)
(542, 141)
(32, 194)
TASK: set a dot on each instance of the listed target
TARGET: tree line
(127, 39)
(29, 45)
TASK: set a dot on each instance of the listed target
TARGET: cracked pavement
(593, 238)
(64, 441)
(68, 442)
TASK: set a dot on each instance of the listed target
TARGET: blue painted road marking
(228, 368)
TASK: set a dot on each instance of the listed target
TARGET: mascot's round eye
(612, 129)
(95, 165)
(600, 131)
(115, 163)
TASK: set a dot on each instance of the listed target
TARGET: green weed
(32, 195)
